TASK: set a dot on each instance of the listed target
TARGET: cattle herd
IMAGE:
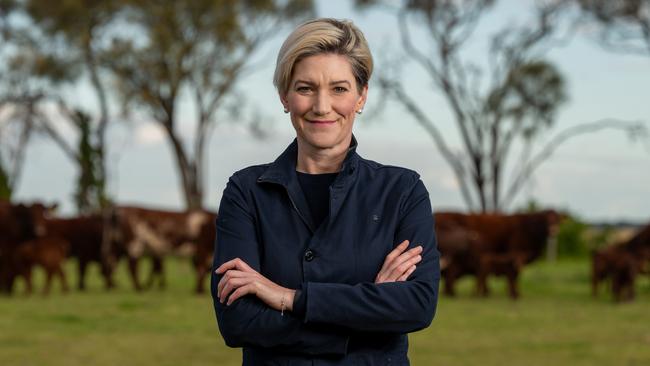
(31, 236)
(491, 244)
(479, 245)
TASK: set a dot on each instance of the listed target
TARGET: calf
(620, 266)
(621, 263)
(48, 253)
(18, 224)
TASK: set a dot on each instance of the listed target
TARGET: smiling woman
(322, 100)
(323, 255)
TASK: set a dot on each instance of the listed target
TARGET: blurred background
(502, 107)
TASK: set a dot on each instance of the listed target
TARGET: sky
(599, 177)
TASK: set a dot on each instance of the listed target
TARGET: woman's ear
(362, 99)
(285, 102)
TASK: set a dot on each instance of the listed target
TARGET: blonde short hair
(319, 36)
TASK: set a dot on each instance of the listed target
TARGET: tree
(16, 128)
(197, 49)
(60, 45)
(624, 24)
(516, 109)
(5, 184)
(16, 124)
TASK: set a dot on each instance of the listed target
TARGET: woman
(307, 270)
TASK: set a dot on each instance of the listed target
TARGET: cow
(621, 262)
(459, 249)
(47, 252)
(85, 236)
(158, 233)
(500, 264)
(493, 244)
(19, 223)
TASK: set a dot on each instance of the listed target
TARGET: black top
(316, 188)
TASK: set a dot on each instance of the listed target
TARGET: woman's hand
(399, 264)
(240, 279)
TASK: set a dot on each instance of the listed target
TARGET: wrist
(286, 303)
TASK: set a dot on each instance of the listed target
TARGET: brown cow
(157, 233)
(48, 253)
(459, 249)
(85, 235)
(621, 262)
(500, 264)
(18, 223)
(495, 244)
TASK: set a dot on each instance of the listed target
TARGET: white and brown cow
(158, 233)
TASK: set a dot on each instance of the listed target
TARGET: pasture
(556, 322)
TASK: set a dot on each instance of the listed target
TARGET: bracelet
(282, 306)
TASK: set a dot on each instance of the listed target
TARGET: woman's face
(323, 99)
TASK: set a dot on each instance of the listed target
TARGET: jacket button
(309, 255)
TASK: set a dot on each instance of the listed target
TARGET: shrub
(571, 238)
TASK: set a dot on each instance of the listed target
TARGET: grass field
(556, 322)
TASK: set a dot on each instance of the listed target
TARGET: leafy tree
(198, 49)
(14, 135)
(624, 25)
(516, 109)
(5, 188)
(59, 46)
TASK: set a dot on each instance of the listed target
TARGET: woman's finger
(400, 270)
(241, 291)
(404, 258)
(401, 247)
(231, 264)
(234, 282)
(229, 274)
(236, 263)
(396, 257)
(231, 285)
(406, 275)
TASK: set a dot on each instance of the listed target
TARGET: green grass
(556, 322)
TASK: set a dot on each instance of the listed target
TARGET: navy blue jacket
(349, 320)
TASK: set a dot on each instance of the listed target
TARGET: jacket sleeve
(400, 307)
(248, 321)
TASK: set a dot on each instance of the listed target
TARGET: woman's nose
(322, 104)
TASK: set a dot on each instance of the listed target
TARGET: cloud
(149, 134)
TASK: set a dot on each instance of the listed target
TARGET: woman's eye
(303, 89)
(340, 89)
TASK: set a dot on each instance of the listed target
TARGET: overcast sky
(603, 176)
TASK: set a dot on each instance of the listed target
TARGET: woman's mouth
(321, 122)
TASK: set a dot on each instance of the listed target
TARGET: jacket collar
(283, 170)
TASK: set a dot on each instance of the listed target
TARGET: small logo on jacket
(375, 218)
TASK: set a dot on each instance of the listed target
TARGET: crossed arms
(254, 311)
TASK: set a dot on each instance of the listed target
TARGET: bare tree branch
(421, 117)
(631, 127)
